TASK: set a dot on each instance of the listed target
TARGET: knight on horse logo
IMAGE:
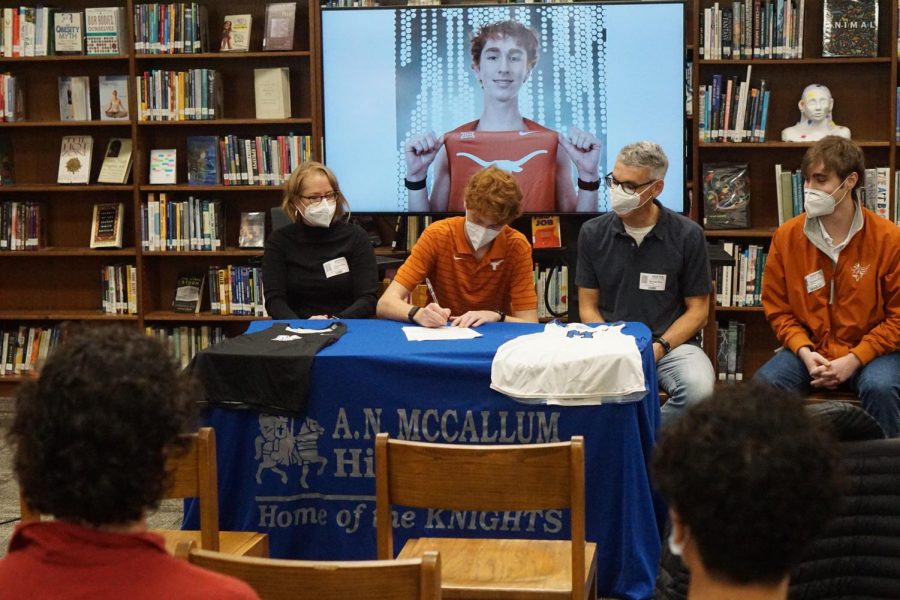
(278, 446)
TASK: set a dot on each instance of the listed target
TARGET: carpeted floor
(167, 517)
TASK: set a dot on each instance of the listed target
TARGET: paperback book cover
(116, 162)
(107, 225)
(104, 30)
(68, 33)
(280, 26)
(272, 93)
(236, 33)
(545, 232)
(113, 97)
(75, 159)
(850, 28)
(74, 99)
(726, 193)
(253, 230)
(189, 292)
(162, 166)
(203, 160)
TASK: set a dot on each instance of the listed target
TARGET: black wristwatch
(502, 315)
(664, 343)
(412, 313)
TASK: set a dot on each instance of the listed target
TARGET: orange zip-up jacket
(854, 306)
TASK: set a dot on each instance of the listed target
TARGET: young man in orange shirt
(831, 289)
(479, 267)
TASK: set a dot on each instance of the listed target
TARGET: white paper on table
(419, 334)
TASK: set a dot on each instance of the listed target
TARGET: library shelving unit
(863, 90)
(61, 282)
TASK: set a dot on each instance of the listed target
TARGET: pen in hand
(431, 291)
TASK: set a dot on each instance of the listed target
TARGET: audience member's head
(494, 195)
(92, 433)
(835, 155)
(750, 480)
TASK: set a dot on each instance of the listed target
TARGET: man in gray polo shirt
(644, 262)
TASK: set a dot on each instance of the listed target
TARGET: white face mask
(674, 547)
(479, 235)
(623, 202)
(819, 204)
(320, 213)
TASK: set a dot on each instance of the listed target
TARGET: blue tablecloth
(309, 482)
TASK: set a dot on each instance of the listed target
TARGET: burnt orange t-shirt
(530, 156)
(502, 280)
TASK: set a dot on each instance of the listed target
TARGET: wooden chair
(274, 579)
(505, 478)
(194, 476)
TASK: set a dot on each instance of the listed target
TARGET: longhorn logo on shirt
(496, 263)
(510, 166)
(278, 446)
(858, 271)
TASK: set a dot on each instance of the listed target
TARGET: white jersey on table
(570, 364)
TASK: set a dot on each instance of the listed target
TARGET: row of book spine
(733, 111)
(740, 283)
(752, 29)
(12, 99)
(24, 348)
(875, 189)
(873, 193)
(194, 224)
(47, 31)
(730, 351)
(552, 286)
(262, 160)
(185, 342)
(118, 289)
(236, 290)
(177, 28)
(195, 94)
(21, 226)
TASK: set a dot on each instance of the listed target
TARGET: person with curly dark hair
(750, 480)
(91, 436)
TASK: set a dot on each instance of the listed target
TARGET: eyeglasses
(629, 188)
(328, 196)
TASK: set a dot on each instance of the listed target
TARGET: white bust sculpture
(815, 117)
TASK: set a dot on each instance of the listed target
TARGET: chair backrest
(193, 475)
(275, 579)
(461, 477)
(279, 218)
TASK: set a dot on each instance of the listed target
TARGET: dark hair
(753, 477)
(523, 36)
(838, 155)
(92, 433)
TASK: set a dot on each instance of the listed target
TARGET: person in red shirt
(480, 267)
(91, 436)
(503, 56)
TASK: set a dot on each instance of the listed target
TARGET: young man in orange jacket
(831, 289)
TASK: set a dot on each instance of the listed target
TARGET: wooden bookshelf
(864, 100)
(61, 282)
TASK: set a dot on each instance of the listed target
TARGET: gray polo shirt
(646, 283)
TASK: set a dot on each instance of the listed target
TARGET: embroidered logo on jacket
(858, 271)
(495, 264)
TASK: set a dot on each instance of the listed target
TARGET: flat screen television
(612, 70)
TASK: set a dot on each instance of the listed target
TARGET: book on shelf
(726, 194)
(236, 290)
(203, 160)
(279, 31)
(552, 286)
(113, 97)
(74, 98)
(179, 95)
(162, 166)
(236, 33)
(874, 191)
(68, 33)
(189, 292)
(7, 162)
(104, 30)
(788, 193)
(272, 92)
(118, 289)
(730, 352)
(262, 160)
(107, 225)
(75, 159)
(179, 28)
(850, 28)
(24, 348)
(21, 226)
(194, 224)
(184, 341)
(545, 232)
(732, 110)
(116, 161)
(252, 233)
(751, 29)
(12, 98)
(740, 282)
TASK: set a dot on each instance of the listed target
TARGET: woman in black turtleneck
(320, 266)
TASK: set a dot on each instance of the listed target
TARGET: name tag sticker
(336, 267)
(814, 281)
(654, 282)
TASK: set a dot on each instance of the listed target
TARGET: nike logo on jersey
(510, 166)
(524, 133)
(458, 257)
